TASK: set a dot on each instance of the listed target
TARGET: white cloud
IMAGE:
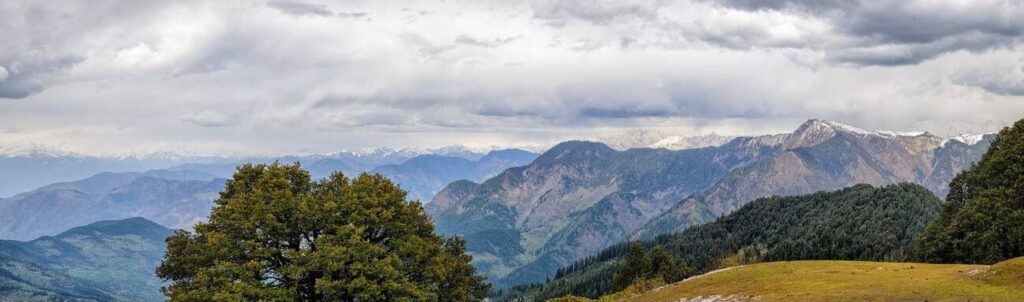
(324, 76)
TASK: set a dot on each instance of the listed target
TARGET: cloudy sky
(318, 76)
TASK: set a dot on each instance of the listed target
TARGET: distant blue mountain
(425, 175)
(102, 261)
(25, 172)
(21, 171)
(172, 198)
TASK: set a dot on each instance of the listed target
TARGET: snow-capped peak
(820, 126)
(815, 131)
(36, 150)
(843, 127)
(647, 138)
(676, 142)
(967, 138)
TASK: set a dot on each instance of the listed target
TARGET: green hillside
(857, 223)
(102, 261)
(850, 281)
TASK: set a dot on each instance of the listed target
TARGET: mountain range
(24, 168)
(179, 197)
(580, 197)
(102, 261)
(827, 155)
(524, 215)
(420, 173)
(175, 199)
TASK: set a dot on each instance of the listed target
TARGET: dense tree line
(983, 218)
(276, 235)
(639, 265)
(857, 223)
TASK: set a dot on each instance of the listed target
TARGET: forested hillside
(983, 218)
(857, 223)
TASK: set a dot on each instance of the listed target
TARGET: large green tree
(276, 235)
(983, 218)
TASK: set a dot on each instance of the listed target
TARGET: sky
(247, 77)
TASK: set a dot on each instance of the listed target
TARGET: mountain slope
(102, 261)
(575, 199)
(856, 223)
(425, 175)
(54, 208)
(827, 155)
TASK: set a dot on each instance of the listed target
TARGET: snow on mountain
(812, 132)
(36, 150)
(969, 139)
(645, 138)
(816, 131)
(635, 138)
(471, 153)
(691, 142)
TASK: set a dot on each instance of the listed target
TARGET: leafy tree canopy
(274, 234)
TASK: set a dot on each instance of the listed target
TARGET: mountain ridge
(823, 155)
(101, 261)
(579, 196)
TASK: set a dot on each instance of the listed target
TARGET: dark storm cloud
(903, 22)
(27, 77)
(1002, 79)
(900, 32)
(894, 54)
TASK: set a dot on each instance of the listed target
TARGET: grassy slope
(852, 281)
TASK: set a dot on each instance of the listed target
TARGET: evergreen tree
(636, 265)
(664, 266)
(275, 235)
(983, 218)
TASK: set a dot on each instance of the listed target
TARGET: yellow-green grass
(851, 281)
